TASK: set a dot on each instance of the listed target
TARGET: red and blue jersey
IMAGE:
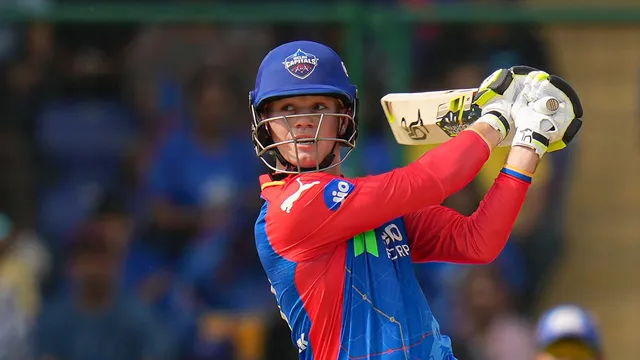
(339, 252)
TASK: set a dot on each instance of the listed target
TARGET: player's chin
(307, 160)
(305, 157)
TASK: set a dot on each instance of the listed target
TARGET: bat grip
(547, 105)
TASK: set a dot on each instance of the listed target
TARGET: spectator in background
(19, 294)
(17, 197)
(94, 319)
(29, 77)
(201, 188)
(221, 294)
(202, 176)
(491, 45)
(141, 272)
(568, 332)
(114, 215)
(19, 97)
(164, 56)
(82, 130)
(488, 327)
(23, 264)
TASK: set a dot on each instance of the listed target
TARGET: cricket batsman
(339, 252)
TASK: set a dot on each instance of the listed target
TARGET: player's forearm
(439, 233)
(488, 133)
(523, 158)
(455, 163)
(483, 235)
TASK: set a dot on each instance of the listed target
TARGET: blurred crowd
(129, 191)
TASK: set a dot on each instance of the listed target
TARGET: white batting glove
(497, 94)
(546, 113)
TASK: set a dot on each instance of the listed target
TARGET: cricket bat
(433, 117)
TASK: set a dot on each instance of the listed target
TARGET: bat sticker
(416, 130)
(458, 115)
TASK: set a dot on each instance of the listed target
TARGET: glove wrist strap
(497, 121)
(531, 139)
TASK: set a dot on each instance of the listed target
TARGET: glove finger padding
(496, 95)
(572, 106)
(522, 69)
(532, 127)
(501, 83)
(520, 72)
(495, 85)
(531, 91)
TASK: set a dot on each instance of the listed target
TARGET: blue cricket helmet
(302, 68)
(568, 322)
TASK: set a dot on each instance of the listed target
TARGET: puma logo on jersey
(302, 343)
(287, 204)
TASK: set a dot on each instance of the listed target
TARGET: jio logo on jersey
(335, 192)
(300, 64)
(391, 234)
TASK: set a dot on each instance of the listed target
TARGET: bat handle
(547, 105)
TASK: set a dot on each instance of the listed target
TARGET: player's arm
(441, 234)
(438, 233)
(340, 209)
(337, 209)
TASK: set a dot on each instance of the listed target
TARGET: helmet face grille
(270, 151)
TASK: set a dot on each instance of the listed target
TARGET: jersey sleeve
(438, 233)
(334, 210)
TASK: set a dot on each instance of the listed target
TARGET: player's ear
(264, 111)
(344, 124)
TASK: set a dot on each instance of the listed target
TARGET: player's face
(305, 126)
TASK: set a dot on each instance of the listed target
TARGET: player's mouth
(304, 141)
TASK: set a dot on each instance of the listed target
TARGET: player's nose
(305, 122)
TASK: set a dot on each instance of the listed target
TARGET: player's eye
(287, 108)
(319, 107)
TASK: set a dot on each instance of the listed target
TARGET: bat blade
(429, 118)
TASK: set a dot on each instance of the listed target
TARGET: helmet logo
(300, 64)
